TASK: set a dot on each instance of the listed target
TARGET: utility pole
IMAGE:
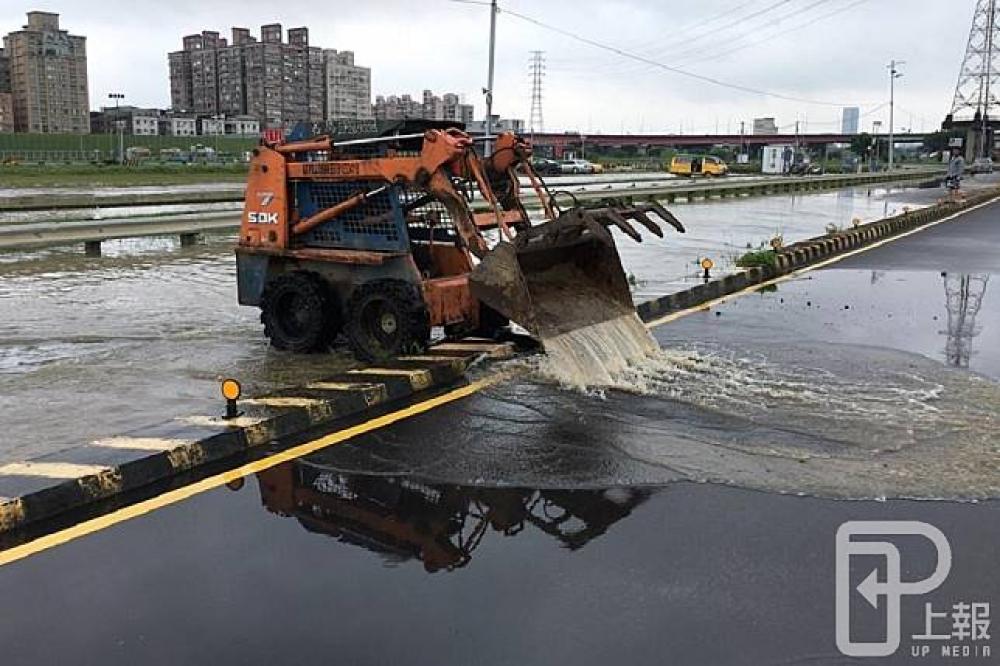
(118, 124)
(893, 75)
(488, 90)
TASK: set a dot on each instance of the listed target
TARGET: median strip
(38, 489)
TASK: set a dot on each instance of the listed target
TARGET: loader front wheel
(385, 319)
(297, 312)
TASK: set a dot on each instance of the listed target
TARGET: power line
(660, 65)
(751, 33)
(771, 36)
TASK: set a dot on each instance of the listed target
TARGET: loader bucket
(556, 277)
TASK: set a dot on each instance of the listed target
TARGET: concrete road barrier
(45, 487)
(807, 253)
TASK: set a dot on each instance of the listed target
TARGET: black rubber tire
(298, 313)
(385, 319)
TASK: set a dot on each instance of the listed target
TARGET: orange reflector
(231, 389)
(707, 264)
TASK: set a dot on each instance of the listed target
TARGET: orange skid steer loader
(378, 239)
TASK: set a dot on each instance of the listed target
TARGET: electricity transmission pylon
(537, 67)
(964, 298)
(976, 90)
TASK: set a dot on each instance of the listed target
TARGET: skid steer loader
(379, 238)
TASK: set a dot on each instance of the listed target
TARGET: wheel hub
(387, 322)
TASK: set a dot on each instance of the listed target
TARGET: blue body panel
(251, 274)
(376, 225)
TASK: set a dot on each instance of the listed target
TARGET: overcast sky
(830, 51)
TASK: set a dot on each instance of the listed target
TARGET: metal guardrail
(188, 224)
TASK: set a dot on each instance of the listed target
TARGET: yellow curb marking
(432, 359)
(11, 513)
(474, 347)
(141, 443)
(51, 470)
(284, 402)
(419, 379)
(219, 422)
(344, 386)
(79, 530)
(373, 393)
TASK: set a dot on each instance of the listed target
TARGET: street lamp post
(118, 124)
(894, 74)
(873, 162)
(488, 90)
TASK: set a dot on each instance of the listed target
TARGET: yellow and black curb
(45, 487)
(807, 253)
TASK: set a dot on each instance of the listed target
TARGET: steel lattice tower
(964, 297)
(537, 67)
(975, 93)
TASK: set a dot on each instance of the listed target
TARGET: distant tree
(939, 141)
(861, 144)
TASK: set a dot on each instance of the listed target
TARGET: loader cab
(697, 165)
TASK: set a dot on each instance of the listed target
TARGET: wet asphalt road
(535, 524)
(155, 326)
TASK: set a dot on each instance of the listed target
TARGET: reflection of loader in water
(375, 238)
(440, 525)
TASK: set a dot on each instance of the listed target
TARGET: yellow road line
(51, 470)
(674, 316)
(179, 494)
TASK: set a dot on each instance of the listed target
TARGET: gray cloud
(443, 45)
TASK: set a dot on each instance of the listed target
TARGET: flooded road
(530, 522)
(144, 333)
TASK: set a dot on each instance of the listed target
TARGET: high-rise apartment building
(396, 107)
(6, 98)
(280, 83)
(431, 107)
(48, 77)
(348, 87)
(851, 121)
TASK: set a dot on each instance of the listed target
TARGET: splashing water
(597, 355)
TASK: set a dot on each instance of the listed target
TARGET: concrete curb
(806, 253)
(41, 488)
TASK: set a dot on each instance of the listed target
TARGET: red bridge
(574, 140)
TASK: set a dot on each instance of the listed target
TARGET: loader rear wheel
(387, 318)
(298, 313)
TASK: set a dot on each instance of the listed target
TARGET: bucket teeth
(666, 216)
(619, 221)
(643, 219)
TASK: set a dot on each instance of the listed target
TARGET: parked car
(981, 165)
(576, 166)
(698, 165)
(546, 167)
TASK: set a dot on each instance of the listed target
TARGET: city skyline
(619, 94)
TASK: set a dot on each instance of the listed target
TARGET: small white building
(178, 125)
(777, 159)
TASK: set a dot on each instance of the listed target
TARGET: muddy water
(597, 355)
(91, 347)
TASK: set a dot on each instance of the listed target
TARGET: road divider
(39, 489)
(806, 254)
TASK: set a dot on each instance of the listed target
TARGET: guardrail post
(187, 240)
(92, 248)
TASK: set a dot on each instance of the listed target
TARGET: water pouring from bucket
(564, 282)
